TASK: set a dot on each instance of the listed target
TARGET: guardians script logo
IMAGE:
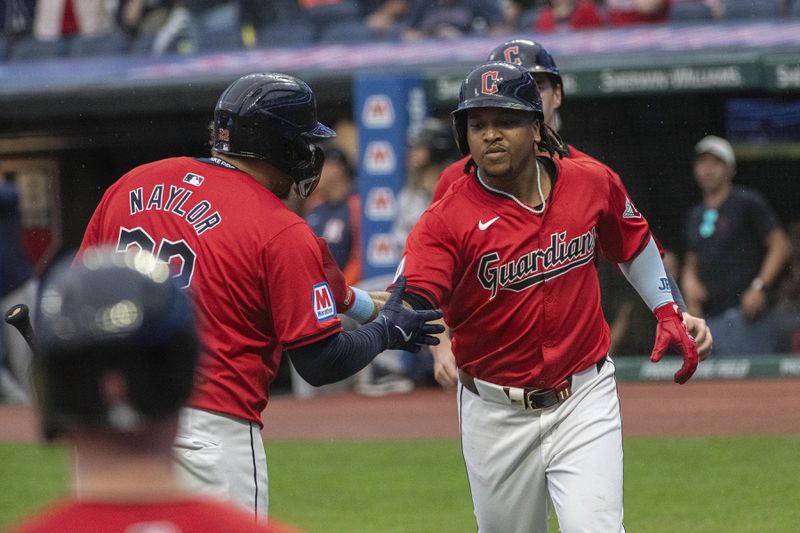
(538, 265)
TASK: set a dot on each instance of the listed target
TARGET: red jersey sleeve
(303, 308)
(430, 260)
(622, 230)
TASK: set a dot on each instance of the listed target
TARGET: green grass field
(715, 484)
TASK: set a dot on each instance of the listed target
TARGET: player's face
(502, 141)
(551, 97)
(712, 173)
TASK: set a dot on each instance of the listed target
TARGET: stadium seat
(31, 48)
(752, 9)
(353, 31)
(690, 11)
(296, 33)
(115, 43)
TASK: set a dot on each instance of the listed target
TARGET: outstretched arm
(646, 274)
(343, 354)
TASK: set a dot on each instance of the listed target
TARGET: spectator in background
(383, 15)
(631, 12)
(55, 19)
(788, 308)
(451, 19)
(430, 148)
(334, 213)
(736, 249)
(569, 14)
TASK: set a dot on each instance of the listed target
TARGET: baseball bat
(19, 316)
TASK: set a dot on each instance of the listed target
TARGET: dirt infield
(748, 407)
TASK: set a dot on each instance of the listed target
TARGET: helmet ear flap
(306, 173)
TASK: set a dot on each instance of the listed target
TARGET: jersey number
(168, 251)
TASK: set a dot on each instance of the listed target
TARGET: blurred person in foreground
(736, 249)
(115, 359)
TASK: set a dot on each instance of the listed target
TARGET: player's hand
(698, 329)
(670, 332)
(408, 329)
(342, 292)
(753, 303)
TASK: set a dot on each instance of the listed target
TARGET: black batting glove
(407, 329)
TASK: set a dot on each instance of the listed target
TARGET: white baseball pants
(222, 457)
(518, 460)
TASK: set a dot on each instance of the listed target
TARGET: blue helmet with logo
(527, 54)
(273, 117)
(495, 84)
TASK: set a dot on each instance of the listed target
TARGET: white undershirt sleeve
(646, 274)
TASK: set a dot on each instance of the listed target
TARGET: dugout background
(647, 139)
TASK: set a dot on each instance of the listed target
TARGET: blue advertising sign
(385, 106)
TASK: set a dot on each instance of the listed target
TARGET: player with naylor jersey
(509, 253)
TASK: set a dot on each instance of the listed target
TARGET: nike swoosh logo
(483, 225)
(406, 336)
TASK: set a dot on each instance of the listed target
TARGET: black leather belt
(529, 397)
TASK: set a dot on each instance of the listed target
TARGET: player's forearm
(339, 356)
(677, 296)
(646, 274)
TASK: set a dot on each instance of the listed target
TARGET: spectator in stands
(334, 213)
(55, 19)
(568, 14)
(451, 19)
(736, 249)
(383, 15)
(631, 12)
(430, 148)
(143, 16)
(788, 308)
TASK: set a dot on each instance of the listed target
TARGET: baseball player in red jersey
(533, 56)
(114, 360)
(256, 272)
(510, 258)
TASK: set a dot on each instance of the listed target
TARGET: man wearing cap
(736, 249)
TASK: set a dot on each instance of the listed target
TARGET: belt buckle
(530, 399)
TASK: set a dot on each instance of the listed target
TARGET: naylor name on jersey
(175, 203)
(538, 265)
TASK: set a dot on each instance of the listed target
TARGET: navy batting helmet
(273, 117)
(116, 345)
(528, 54)
(495, 84)
(435, 135)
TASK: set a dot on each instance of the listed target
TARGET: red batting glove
(342, 292)
(672, 332)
